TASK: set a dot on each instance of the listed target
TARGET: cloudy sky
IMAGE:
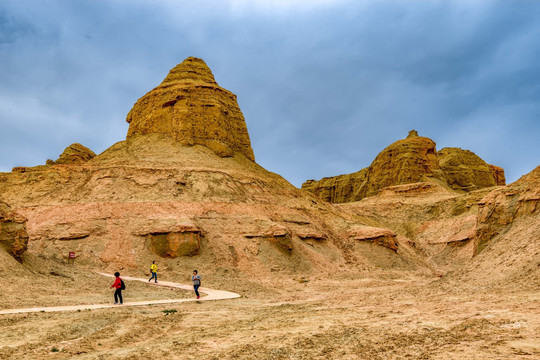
(324, 85)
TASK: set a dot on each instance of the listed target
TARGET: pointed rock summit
(193, 109)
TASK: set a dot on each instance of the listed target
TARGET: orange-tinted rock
(411, 160)
(503, 206)
(406, 161)
(338, 189)
(498, 175)
(190, 107)
(75, 154)
(176, 244)
(13, 235)
(379, 236)
(172, 238)
(154, 193)
(464, 170)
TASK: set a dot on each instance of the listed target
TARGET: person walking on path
(118, 285)
(196, 278)
(153, 271)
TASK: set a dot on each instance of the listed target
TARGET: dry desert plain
(343, 316)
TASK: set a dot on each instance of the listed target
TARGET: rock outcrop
(380, 236)
(507, 238)
(75, 154)
(504, 206)
(411, 160)
(338, 189)
(191, 108)
(13, 235)
(464, 170)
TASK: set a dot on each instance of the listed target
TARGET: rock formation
(191, 108)
(338, 189)
(507, 237)
(75, 154)
(13, 235)
(464, 170)
(503, 207)
(185, 183)
(383, 237)
(411, 160)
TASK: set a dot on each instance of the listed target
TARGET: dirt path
(211, 295)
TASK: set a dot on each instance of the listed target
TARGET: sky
(324, 85)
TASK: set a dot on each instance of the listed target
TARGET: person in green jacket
(153, 270)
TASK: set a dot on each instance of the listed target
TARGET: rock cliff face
(501, 208)
(507, 237)
(13, 235)
(408, 161)
(338, 189)
(184, 183)
(191, 108)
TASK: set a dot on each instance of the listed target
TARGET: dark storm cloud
(324, 86)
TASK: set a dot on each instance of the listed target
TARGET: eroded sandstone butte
(184, 185)
(13, 235)
(191, 108)
(410, 160)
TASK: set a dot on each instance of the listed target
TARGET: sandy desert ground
(346, 316)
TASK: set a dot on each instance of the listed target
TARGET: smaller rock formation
(464, 170)
(412, 133)
(278, 235)
(504, 206)
(379, 236)
(75, 154)
(407, 161)
(498, 175)
(170, 239)
(13, 235)
(338, 189)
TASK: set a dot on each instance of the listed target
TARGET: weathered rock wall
(503, 206)
(464, 170)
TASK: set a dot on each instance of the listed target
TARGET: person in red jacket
(118, 286)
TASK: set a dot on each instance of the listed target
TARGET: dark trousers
(118, 295)
(196, 288)
(154, 275)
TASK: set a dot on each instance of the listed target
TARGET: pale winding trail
(211, 295)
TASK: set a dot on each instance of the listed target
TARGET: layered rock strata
(75, 154)
(13, 234)
(504, 206)
(191, 108)
(411, 160)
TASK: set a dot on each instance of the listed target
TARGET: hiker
(153, 271)
(196, 278)
(119, 286)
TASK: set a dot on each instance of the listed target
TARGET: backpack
(122, 285)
